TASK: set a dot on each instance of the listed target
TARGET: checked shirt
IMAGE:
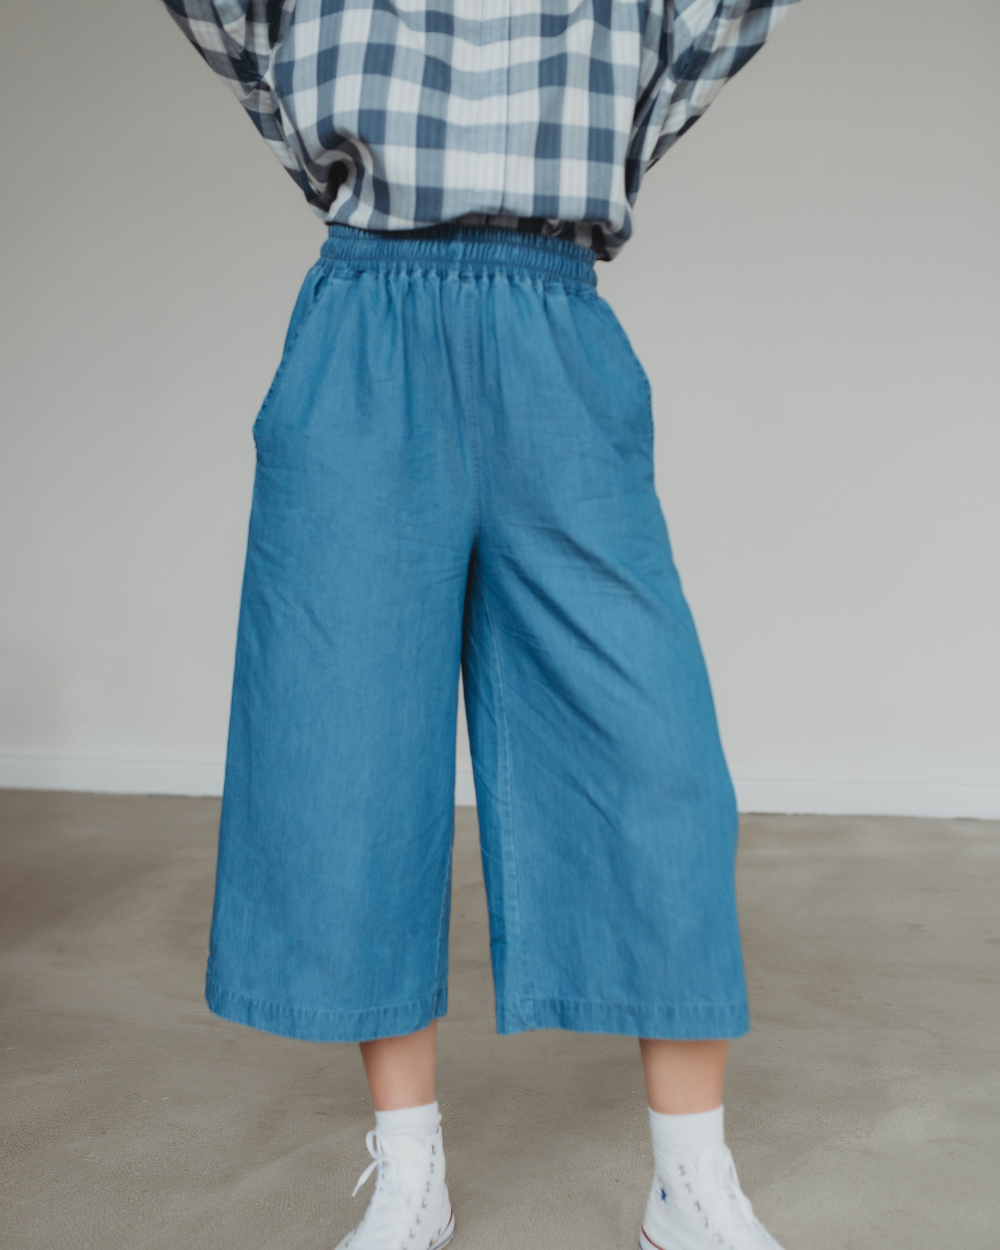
(541, 115)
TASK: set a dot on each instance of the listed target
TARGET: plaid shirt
(534, 114)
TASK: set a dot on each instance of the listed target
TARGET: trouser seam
(443, 911)
(472, 409)
(726, 1004)
(344, 1013)
(509, 861)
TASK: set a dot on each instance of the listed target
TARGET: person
(455, 472)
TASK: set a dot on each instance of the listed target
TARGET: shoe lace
(715, 1193)
(398, 1190)
(729, 1183)
(733, 1210)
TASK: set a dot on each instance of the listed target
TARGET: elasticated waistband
(464, 249)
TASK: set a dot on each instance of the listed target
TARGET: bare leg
(410, 1205)
(400, 1070)
(683, 1077)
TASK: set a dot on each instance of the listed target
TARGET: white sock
(685, 1135)
(407, 1129)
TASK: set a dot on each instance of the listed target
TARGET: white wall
(813, 291)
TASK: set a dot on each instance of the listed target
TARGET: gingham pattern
(535, 114)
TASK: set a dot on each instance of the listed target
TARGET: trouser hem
(690, 1023)
(325, 1026)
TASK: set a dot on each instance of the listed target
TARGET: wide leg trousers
(455, 472)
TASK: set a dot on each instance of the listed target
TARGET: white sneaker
(697, 1205)
(410, 1208)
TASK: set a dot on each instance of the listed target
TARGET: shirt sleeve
(237, 39)
(709, 42)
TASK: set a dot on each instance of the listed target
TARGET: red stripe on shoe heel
(650, 1241)
(449, 1232)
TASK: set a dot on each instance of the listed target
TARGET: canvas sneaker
(410, 1208)
(698, 1205)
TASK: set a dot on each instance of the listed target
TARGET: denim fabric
(454, 469)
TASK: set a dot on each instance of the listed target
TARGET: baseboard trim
(111, 775)
(946, 797)
(465, 788)
(818, 795)
(942, 797)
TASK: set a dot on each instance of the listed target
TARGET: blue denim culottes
(455, 470)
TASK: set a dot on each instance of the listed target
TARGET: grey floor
(862, 1109)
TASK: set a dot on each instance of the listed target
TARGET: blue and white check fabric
(534, 114)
